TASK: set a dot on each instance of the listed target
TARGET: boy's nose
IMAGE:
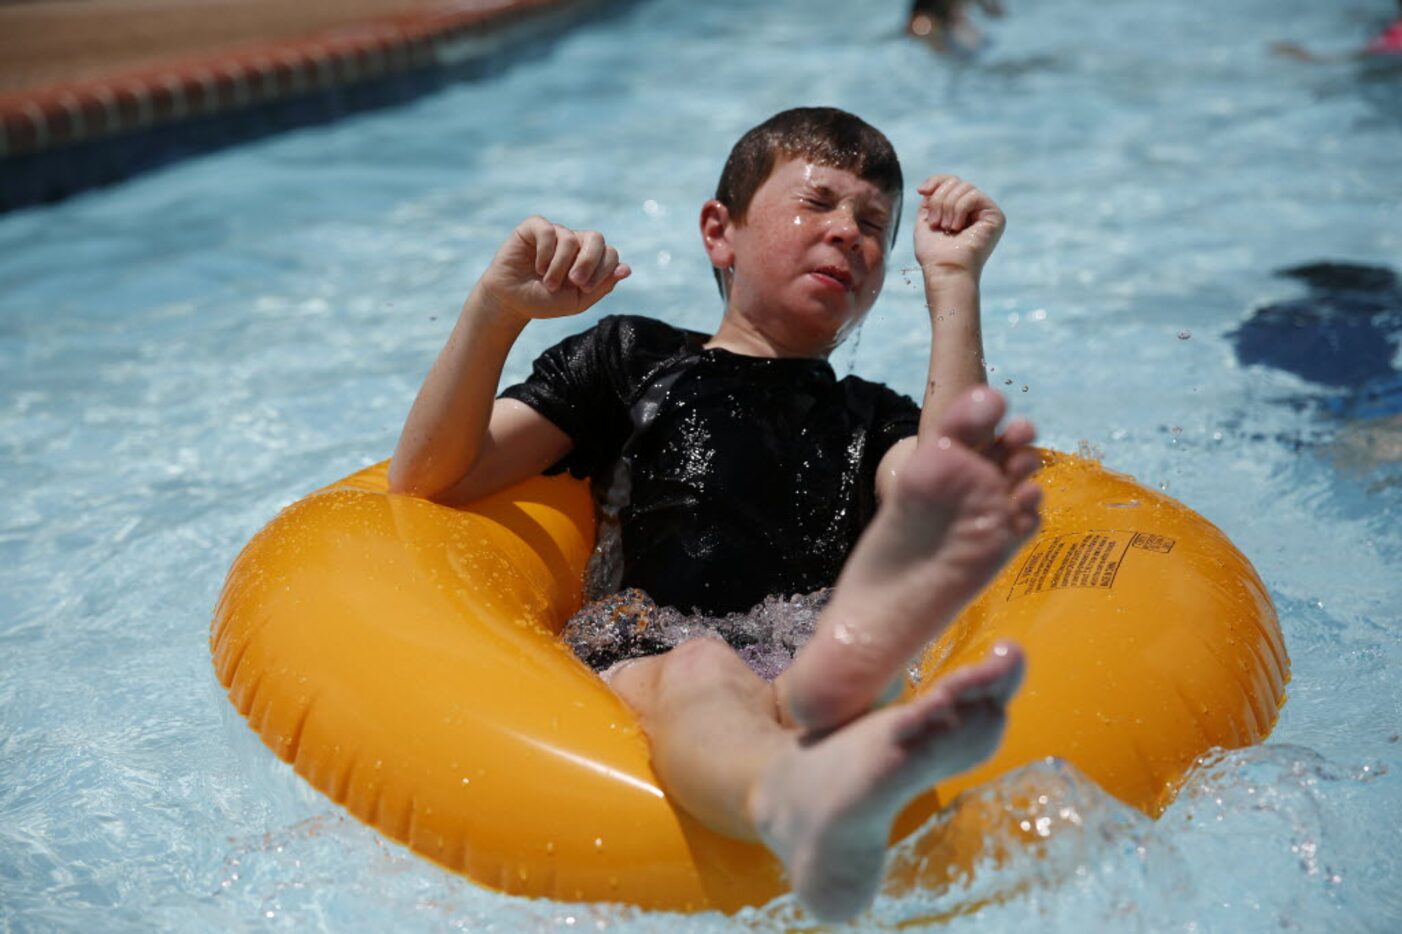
(843, 229)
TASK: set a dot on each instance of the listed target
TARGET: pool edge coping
(247, 75)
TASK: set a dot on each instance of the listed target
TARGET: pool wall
(59, 139)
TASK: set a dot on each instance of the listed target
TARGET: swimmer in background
(934, 499)
(945, 26)
(1388, 42)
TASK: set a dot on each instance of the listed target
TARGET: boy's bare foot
(826, 808)
(961, 506)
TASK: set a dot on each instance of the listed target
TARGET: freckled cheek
(876, 262)
(876, 276)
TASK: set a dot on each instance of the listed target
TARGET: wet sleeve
(573, 384)
(894, 418)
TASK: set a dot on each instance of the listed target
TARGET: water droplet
(1007, 382)
(1184, 334)
(1024, 387)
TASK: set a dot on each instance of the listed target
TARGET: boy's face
(810, 257)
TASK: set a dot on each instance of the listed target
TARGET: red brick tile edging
(34, 121)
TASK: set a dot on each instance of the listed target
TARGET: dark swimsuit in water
(732, 477)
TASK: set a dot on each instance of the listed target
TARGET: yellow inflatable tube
(402, 656)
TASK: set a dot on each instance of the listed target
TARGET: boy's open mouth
(836, 276)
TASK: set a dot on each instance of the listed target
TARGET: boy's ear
(715, 234)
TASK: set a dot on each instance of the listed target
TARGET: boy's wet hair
(824, 135)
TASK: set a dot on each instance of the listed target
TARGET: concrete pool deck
(76, 72)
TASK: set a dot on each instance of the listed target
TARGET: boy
(798, 234)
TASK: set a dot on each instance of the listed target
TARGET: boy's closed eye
(821, 199)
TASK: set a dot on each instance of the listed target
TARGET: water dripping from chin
(855, 331)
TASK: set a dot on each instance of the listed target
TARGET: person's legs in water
(825, 803)
(945, 25)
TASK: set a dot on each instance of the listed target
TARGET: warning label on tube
(1081, 559)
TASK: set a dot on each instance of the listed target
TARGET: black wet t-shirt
(745, 476)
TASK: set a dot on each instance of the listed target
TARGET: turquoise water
(185, 353)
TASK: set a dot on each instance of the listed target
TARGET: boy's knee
(680, 676)
(701, 656)
(702, 665)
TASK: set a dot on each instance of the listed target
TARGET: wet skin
(805, 264)
(821, 787)
(812, 772)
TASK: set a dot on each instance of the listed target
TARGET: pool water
(184, 354)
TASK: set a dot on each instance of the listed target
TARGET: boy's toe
(973, 416)
(1022, 465)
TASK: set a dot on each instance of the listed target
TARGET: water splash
(631, 625)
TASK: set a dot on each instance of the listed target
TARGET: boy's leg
(960, 507)
(712, 726)
(825, 805)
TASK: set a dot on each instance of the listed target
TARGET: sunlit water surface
(184, 354)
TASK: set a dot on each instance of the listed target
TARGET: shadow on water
(1342, 337)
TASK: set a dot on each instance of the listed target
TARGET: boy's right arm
(459, 442)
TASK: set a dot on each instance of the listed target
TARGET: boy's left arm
(956, 230)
